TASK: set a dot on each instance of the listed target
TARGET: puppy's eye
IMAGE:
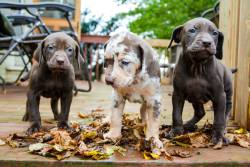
(125, 62)
(215, 33)
(50, 48)
(69, 50)
(192, 30)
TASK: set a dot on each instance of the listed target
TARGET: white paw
(112, 135)
(158, 143)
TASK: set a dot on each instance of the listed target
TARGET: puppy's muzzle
(60, 60)
(109, 81)
(206, 44)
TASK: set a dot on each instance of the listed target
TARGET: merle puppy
(199, 77)
(53, 77)
(132, 69)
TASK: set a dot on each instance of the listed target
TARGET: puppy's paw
(190, 127)
(158, 143)
(35, 127)
(114, 136)
(63, 125)
(176, 131)
(26, 117)
(217, 138)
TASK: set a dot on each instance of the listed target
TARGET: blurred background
(95, 20)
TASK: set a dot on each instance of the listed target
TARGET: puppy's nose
(109, 82)
(60, 60)
(206, 44)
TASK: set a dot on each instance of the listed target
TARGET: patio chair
(26, 44)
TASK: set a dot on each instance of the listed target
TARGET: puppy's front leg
(177, 123)
(116, 117)
(152, 130)
(219, 125)
(54, 107)
(33, 101)
(143, 112)
(66, 100)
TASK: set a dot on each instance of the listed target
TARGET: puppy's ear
(176, 36)
(79, 57)
(141, 52)
(219, 47)
(148, 63)
(39, 53)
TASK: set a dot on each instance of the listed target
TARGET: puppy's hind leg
(66, 100)
(33, 104)
(26, 116)
(153, 121)
(143, 112)
(199, 113)
(54, 107)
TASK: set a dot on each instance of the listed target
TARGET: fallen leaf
(98, 110)
(37, 147)
(150, 156)
(240, 131)
(95, 154)
(181, 153)
(167, 155)
(111, 149)
(241, 141)
(83, 116)
(2, 142)
(62, 156)
(58, 147)
(89, 135)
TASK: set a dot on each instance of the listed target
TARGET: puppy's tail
(234, 70)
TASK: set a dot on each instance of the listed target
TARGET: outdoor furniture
(26, 43)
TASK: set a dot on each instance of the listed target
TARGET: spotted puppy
(133, 71)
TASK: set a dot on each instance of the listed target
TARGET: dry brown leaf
(242, 141)
(2, 142)
(180, 152)
(60, 137)
(167, 156)
(83, 116)
(98, 110)
(82, 147)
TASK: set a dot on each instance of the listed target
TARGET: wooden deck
(12, 107)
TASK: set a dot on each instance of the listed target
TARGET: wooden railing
(235, 24)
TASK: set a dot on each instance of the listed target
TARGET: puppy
(199, 77)
(133, 71)
(52, 77)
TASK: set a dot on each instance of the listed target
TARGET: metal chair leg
(3, 84)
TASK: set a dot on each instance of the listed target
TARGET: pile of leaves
(85, 140)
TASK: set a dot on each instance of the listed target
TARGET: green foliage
(159, 17)
(110, 25)
(96, 25)
(88, 26)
